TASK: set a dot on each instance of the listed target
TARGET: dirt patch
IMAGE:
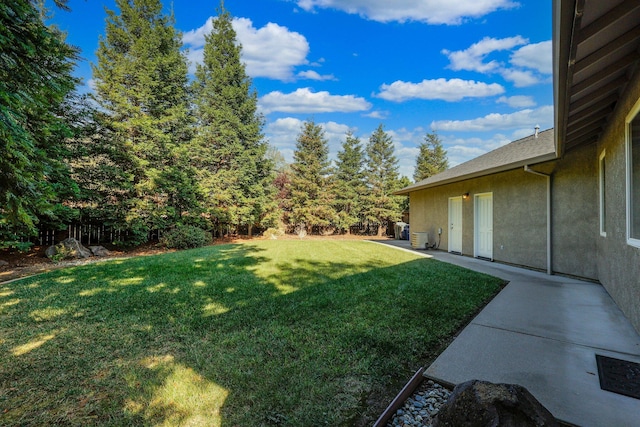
(22, 264)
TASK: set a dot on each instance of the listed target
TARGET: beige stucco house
(564, 200)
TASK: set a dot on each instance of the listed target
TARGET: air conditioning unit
(419, 240)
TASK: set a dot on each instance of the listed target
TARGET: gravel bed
(420, 408)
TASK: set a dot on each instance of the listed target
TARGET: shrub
(186, 236)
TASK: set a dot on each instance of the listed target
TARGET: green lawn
(278, 332)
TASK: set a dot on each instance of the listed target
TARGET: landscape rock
(3, 263)
(68, 249)
(480, 403)
(99, 251)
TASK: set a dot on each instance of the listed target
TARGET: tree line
(152, 149)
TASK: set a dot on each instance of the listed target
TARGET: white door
(455, 224)
(483, 239)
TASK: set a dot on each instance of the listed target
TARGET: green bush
(186, 236)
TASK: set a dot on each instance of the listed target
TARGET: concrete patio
(543, 332)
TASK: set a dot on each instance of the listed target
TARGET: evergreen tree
(35, 83)
(141, 85)
(432, 158)
(310, 190)
(350, 185)
(98, 166)
(229, 151)
(404, 200)
(382, 179)
(278, 214)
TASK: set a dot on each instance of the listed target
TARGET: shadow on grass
(227, 335)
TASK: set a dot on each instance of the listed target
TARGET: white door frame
(455, 226)
(483, 227)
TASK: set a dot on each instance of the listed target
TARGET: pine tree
(382, 178)
(349, 183)
(229, 149)
(311, 196)
(141, 84)
(432, 158)
(35, 83)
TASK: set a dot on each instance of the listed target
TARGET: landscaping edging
(399, 400)
(417, 403)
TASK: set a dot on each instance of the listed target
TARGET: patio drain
(619, 376)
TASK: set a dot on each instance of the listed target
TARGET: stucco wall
(575, 213)
(618, 263)
(519, 215)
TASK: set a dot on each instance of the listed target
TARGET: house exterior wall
(618, 263)
(574, 200)
(519, 215)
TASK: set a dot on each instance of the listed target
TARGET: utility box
(399, 229)
(419, 240)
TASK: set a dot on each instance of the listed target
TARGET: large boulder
(99, 251)
(67, 249)
(483, 404)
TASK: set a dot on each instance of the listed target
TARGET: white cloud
(449, 12)
(472, 58)
(314, 75)
(406, 149)
(303, 100)
(282, 134)
(196, 38)
(271, 51)
(517, 101)
(447, 90)
(460, 150)
(457, 154)
(521, 78)
(377, 114)
(537, 56)
(91, 85)
(527, 118)
(525, 67)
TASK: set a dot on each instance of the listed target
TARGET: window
(633, 176)
(603, 189)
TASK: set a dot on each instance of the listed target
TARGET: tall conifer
(349, 183)
(382, 179)
(35, 83)
(432, 158)
(311, 196)
(141, 85)
(229, 150)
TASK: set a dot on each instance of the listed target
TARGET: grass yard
(271, 332)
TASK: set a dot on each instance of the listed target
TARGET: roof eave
(563, 22)
(502, 168)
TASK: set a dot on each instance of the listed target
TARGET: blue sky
(478, 72)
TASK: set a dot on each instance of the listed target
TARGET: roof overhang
(595, 54)
(478, 174)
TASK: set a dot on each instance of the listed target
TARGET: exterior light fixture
(465, 196)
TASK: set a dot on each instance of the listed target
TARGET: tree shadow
(210, 336)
